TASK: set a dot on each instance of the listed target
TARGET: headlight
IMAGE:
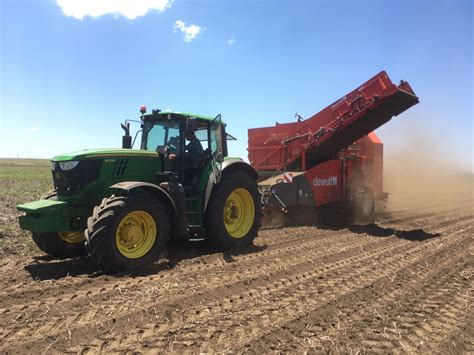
(68, 165)
(53, 165)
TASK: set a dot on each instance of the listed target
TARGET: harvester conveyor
(298, 146)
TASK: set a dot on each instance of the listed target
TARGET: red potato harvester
(332, 159)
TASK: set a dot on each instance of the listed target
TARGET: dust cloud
(418, 175)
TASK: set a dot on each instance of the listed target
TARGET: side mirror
(126, 138)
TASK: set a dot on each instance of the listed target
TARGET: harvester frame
(331, 159)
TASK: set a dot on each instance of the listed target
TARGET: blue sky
(68, 78)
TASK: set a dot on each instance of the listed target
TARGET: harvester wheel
(60, 244)
(234, 213)
(126, 233)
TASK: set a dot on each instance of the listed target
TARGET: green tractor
(123, 205)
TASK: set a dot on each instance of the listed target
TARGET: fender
(228, 166)
(155, 190)
(239, 164)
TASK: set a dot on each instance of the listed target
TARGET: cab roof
(186, 114)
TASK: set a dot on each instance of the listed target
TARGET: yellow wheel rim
(239, 213)
(136, 234)
(72, 237)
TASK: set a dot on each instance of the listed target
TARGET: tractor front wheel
(234, 213)
(126, 233)
(60, 244)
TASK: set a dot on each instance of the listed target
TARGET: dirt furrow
(272, 308)
(420, 320)
(215, 302)
(359, 321)
(461, 339)
(441, 208)
(73, 314)
(355, 274)
(197, 264)
(231, 298)
(77, 300)
(192, 262)
(108, 284)
(197, 260)
(422, 217)
(22, 292)
(447, 309)
(336, 242)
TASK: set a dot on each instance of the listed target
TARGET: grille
(70, 183)
(120, 166)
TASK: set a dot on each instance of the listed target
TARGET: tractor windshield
(167, 133)
(161, 134)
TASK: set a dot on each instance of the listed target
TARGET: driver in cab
(194, 148)
(193, 151)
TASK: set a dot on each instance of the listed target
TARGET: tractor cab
(186, 143)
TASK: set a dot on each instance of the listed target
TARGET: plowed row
(404, 283)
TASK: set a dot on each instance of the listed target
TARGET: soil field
(404, 283)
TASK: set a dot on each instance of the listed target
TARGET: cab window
(161, 134)
(201, 134)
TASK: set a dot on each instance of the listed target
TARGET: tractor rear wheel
(126, 233)
(234, 213)
(60, 244)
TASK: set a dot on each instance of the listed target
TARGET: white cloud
(131, 9)
(34, 129)
(231, 40)
(190, 32)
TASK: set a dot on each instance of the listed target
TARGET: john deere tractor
(123, 205)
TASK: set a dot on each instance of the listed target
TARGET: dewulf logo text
(330, 181)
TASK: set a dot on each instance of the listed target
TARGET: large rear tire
(66, 244)
(233, 215)
(127, 233)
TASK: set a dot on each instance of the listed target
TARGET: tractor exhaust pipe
(126, 138)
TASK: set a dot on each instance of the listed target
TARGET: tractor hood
(103, 153)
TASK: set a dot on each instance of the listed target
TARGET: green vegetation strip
(21, 180)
